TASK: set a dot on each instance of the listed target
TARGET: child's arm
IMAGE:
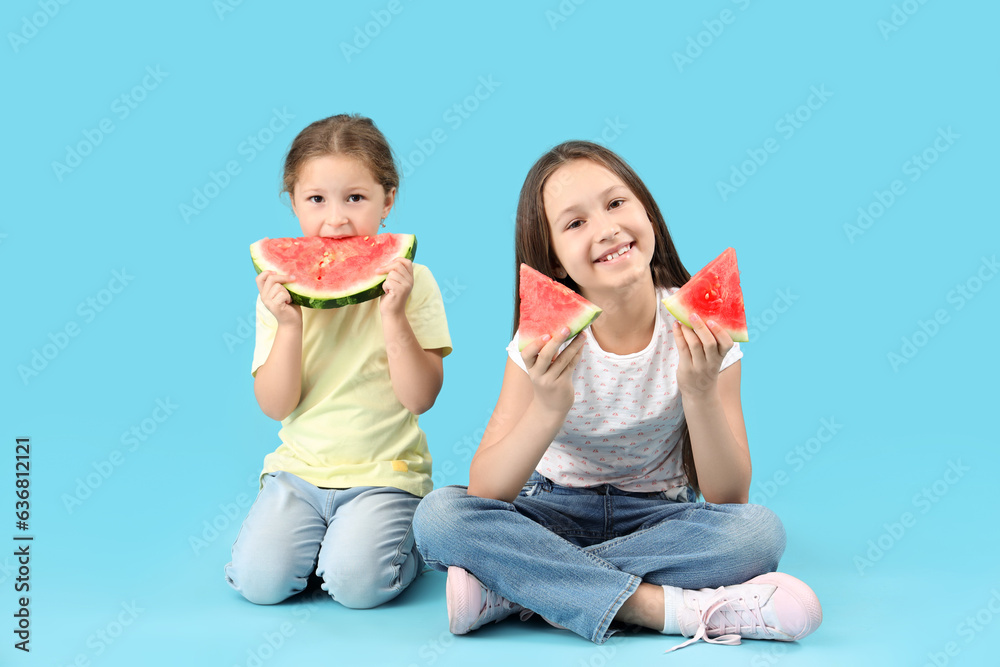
(278, 381)
(713, 411)
(416, 374)
(528, 415)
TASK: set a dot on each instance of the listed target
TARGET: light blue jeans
(575, 555)
(359, 541)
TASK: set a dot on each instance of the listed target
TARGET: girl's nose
(337, 217)
(609, 229)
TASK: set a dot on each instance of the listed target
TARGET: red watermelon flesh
(714, 292)
(330, 273)
(547, 306)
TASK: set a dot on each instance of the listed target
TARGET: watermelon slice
(330, 273)
(547, 306)
(714, 292)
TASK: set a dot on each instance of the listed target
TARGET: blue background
(131, 535)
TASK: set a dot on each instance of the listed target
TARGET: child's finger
(279, 294)
(682, 345)
(530, 352)
(550, 349)
(266, 277)
(705, 336)
(397, 263)
(692, 344)
(569, 357)
(723, 341)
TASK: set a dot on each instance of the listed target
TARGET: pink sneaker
(772, 606)
(471, 605)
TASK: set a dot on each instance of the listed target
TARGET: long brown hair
(352, 135)
(533, 246)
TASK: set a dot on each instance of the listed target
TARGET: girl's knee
(364, 581)
(761, 541)
(357, 593)
(263, 586)
(769, 533)
(438, 510)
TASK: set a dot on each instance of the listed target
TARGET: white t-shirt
(624, 426)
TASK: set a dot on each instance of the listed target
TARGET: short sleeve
(425, 312)
(515, 354)
(734, 355)
(267, 327)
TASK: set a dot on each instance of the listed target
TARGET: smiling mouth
(615, 255)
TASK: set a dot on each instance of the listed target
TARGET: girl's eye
(355, 198)
(316, 199)
(574, 224)
(615, 203)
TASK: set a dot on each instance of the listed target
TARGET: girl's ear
(390, 199)
(561, 272)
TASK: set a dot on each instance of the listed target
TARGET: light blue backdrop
(847, 151)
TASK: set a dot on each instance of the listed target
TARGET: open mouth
(619, 252)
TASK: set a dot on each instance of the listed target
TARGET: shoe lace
(733, 616)
(496, 606)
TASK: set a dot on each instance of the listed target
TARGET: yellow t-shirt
(349, 429)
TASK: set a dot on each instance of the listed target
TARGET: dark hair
(352, 135)
(533, 245)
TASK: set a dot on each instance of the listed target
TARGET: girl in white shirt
(581, 499)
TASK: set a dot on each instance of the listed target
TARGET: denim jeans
(358, 540)
(575, 555)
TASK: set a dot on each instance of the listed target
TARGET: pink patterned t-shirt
(624, 426)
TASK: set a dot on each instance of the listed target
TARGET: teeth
(621, 252)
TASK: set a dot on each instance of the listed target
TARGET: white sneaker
(772, 606)
(527, 613)
(471, 605)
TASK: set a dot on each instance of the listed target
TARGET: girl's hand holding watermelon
(277, 299)
(702, 349)
(397, 286)
(551, 371)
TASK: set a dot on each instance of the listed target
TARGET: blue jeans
(358, 540)
(575, 555)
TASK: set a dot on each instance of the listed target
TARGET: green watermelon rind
(325, 301)
(683, 316)
(583, 321)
